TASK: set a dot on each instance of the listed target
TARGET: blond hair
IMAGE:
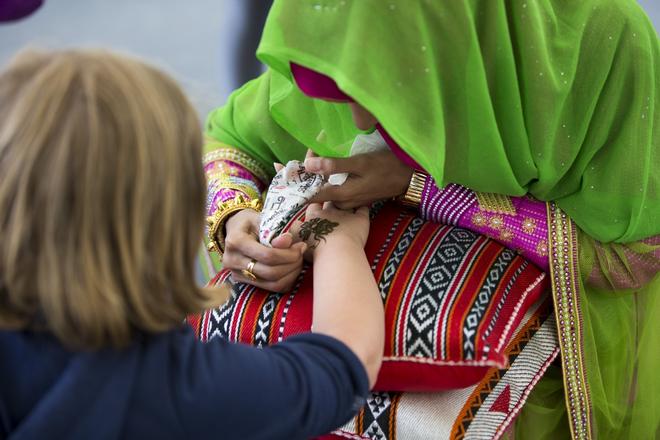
(101, 198)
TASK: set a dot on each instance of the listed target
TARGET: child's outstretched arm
(310, 383)
(347, 303)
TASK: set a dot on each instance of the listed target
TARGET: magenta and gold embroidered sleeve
(519, 223)
(230, 172)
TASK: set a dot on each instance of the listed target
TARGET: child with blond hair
(101, 213)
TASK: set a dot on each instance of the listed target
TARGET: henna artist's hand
(372, 176)
(276, 268)
(325, 223)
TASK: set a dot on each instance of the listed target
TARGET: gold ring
(247, 272)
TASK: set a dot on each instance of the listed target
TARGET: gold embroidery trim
(506, 235)
(566, 298)
(498, 203)
(479, 219)
(222, 151)
(529, 225)
(225, 183)
(496, 222)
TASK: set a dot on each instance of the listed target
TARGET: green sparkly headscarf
(555, 98)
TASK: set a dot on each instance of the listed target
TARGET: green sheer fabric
(623, 337)
(546, 96)
(543, 417)
(621, 306)
(555, 98)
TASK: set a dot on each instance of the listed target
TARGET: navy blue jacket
(172, 386)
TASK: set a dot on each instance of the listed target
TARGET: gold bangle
(413, 195)
(216, 222)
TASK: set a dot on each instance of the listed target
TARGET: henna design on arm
(316, 229)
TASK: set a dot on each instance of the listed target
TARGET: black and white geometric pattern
(505, 294)
(482, 301)
(265, 320)
(397, 255)
(377, 416)
(429, 294)
(221, 317)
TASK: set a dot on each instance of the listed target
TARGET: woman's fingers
(270, 263)
(263, 271)
(276, 268)
(246, 244)
(351, 204)
(281, 285)
(333, 193)
(327, 166)
(343, 197)
(362, 211)
(283, 241)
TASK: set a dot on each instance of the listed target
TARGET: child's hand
(326, 223)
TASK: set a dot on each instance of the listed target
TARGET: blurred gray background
(198, 41)
(208, 45)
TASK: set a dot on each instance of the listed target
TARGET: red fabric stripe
(277, 317)
(378, 236)
(299, 316)
(527, 278)
(417, 378)
(205, 326)
(237, 317)
(507, 309)
(194, 321)
(250, 317)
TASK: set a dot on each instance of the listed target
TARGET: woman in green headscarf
(549, 99)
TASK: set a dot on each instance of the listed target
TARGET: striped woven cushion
(482, 411)
(452, 302)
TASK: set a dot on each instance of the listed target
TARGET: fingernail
(312, 163)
